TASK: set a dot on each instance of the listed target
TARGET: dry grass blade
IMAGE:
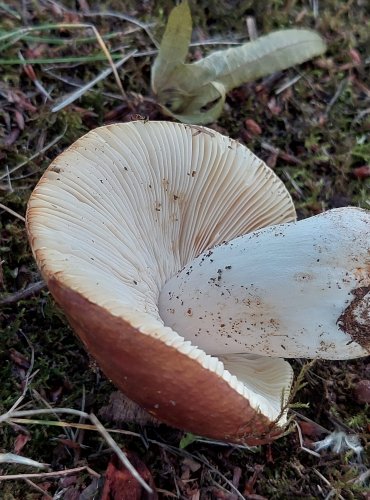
(12, 458)
(43, 401)
(61, 423)
(10, 415)
(109, 57)
(32, 157)
(129, 19)
(36, 82)
(16, 35)
(12, 212)
(78, 93)
(58, 473)
(29, 376)
(121, 455)
(311, 452)
(333, 491)
(103, 46)
(8, 10)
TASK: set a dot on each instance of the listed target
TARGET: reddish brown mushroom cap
(119, 213)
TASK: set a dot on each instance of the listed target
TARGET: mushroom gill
(112, 220)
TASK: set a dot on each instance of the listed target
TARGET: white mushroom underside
(127, 206)
(279, 291)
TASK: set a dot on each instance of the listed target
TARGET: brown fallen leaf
(355, 56)
(19, 119)
(20, 442)
(30, 72)
(121, 485)
(252, 126)
(310, 429)
(18, 358)
(11, 137)
(250, 484)
(362, 391)
(362, 172)
(69, 443)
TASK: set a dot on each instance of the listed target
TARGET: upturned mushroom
(150, 237)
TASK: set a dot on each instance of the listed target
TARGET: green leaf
(187, 439)
(174, 46)
(274, 52)
(196, 113)
(195, 93)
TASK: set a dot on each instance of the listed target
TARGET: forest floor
(311, 124)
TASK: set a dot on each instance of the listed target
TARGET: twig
(10, 187)
(35, 486)
(12, 298)
(315, 8)
(167, 493)
(281, 154)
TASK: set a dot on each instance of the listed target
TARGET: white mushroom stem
(292, 290)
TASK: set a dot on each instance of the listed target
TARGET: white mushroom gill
(292, 290)
(128, 205)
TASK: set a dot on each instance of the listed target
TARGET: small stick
(35, 486)
(12, 298)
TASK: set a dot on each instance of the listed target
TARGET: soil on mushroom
(310, 124)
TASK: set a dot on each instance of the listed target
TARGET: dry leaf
(20, 442)
(121, 485)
